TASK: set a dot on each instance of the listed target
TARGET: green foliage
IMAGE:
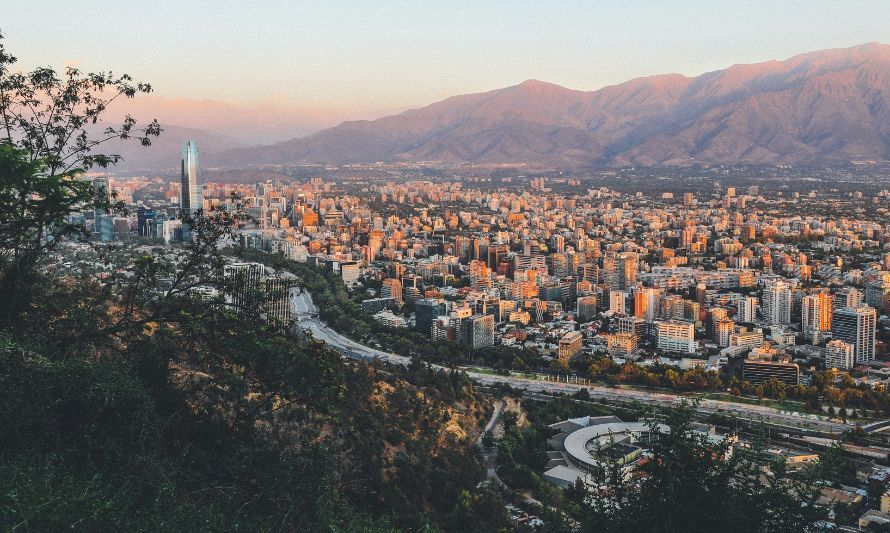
(33, 218)
(693, 484)
(53, 115)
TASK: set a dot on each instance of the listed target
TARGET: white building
(675, 336)
(839, 354)
(390, 320)
(618, 302)
(747, 309)
(777, 303)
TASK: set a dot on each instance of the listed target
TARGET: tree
(58, 118)
(50, 129)
(688, 473)
(34, 211)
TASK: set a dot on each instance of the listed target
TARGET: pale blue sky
(364, 55)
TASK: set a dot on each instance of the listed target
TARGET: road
(490, 456)
(306, 315)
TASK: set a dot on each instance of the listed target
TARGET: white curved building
(581, 445)
(584, 442)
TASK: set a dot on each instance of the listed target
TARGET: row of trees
(826, 388)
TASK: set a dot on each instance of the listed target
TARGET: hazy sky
(360, 56)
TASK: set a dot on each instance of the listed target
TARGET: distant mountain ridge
(827, 106)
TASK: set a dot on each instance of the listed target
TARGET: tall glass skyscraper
(191, 199)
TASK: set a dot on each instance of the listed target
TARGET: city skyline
(662, 305)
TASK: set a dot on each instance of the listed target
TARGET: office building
(757, 371)
(145, 222)
(586, 306)
(105, 227)
(857, 326)
(191, 197)
(350, 271)
(477, 331)
(277, 305)
(621, 344)
(375, 305)
(497, 254)
(633, 325)
(425, 311)
(243, 285)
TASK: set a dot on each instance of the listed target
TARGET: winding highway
(306, 315)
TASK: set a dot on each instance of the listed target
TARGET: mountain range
(830, 106)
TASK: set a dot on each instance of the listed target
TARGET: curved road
(307, 318)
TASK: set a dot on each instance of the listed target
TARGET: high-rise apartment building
(777, 303)
(839, 354)
(815, 313)
(723, 330)
(628, 265)
(617, 302)
(747, 309)
(877, 293)
(477, 331)
(847, 297)
(646, 303)
(674, 336)
(392, 288)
